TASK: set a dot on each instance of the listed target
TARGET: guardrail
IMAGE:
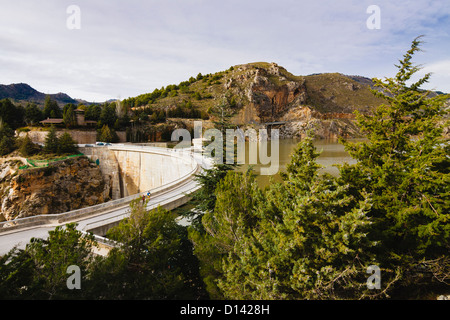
(163, 204)
(55, 219)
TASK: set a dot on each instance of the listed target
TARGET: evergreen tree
(40, 270)
(204, 202)
(306, 242)
(33, 114)
(51, 141)
(27, 147)
(105, 134)
(93, 112)
(51, 108)
(16, 274)
(154, 260)
(66, 144)
(222, 114)
(237, 194)
(69, 116)
(7, 141)
(108, 115)
(404, 166)
(11, 114)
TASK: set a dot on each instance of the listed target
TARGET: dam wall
(133, 169)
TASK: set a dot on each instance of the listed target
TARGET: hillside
(260, 93)
(22, 92)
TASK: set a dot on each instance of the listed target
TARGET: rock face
(61, 187)
(266, 94)
(323, 103)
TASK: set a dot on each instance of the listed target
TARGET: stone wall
(81, 137)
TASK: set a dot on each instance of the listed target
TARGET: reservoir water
(332, 153)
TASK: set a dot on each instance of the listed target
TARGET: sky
(111, 49)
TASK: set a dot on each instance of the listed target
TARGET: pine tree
(105, 134)
(154, 260)
(404, 166)
(51, 108)
(26, 146)
(51, 141)
(6, 139)
(204, 200)
(69, 116)
(66, 144)
(65, 246)
(227, 223)
(308, 241)
(33, 114)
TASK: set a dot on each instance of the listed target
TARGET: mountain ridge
(23, 92)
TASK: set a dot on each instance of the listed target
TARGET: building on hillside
(80, 118)
(52, 121)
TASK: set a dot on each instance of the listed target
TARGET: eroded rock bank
(62, 186)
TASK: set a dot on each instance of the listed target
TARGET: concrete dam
(133, 169)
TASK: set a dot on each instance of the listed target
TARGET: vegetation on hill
(335, 92)
(326, 92)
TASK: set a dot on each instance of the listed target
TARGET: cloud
(125, 48)
(440, 75)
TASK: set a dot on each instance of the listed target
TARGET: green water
(332, 153)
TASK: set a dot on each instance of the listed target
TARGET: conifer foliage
(404, 166)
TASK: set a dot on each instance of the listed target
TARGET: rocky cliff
(61, 187)
(323, 103)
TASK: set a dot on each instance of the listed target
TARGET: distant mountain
(22, 92)
(362, 80)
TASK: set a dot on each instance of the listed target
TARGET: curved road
(20, 237)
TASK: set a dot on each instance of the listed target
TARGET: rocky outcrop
(266, 92)
(323, 104)
(62, 186)
(273, 99)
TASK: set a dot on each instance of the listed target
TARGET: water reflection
(332, 153)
